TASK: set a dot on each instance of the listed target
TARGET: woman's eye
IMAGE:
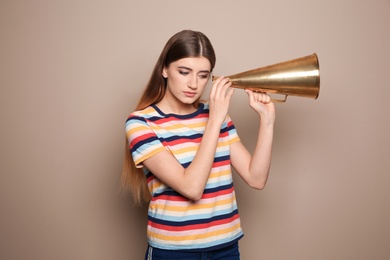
(183, 72)
(204, 76)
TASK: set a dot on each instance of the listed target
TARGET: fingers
(261, 97)
(222, 88)
(264, 98)
(220, 96)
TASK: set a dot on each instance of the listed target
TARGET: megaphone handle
(272, 99)
(280, 100)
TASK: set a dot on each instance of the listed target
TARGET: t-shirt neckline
(190, 115)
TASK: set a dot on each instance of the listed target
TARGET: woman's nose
(193, 83)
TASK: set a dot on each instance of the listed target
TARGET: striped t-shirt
(175, 222)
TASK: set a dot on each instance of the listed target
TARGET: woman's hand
(220, 95)
(261, 103)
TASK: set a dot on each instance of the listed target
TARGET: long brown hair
(186, 43)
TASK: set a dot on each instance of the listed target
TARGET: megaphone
(297, 77)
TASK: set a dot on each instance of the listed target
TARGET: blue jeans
(227, 253)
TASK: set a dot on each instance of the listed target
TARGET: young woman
(180, 153)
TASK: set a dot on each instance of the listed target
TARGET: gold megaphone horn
(297, 77)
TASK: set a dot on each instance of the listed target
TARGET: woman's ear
(164, 72)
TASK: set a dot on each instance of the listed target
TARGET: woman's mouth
(189, 94)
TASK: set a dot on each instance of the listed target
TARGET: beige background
(71, 71)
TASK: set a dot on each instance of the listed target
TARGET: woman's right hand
(220, 95)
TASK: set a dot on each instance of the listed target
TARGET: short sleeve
(143, 142)
(231, 129)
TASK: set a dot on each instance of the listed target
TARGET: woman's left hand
(262, 104)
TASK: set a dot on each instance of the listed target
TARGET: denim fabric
(227, 253)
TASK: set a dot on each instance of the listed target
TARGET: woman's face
(186, 79)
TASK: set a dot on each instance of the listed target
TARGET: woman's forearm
(261, 160)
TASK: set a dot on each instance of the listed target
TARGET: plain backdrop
(71, 72)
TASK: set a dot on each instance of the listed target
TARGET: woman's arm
(254, 169)
(191, 181)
